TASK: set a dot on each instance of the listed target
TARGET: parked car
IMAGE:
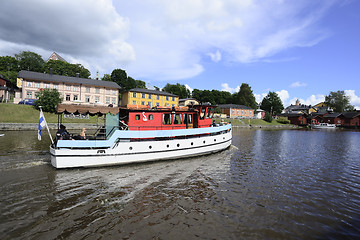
(28, 101)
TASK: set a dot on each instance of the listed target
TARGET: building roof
(55, 56)
(234, 106)
(185, 99)
(143, 90)
(350, 114)
(65, 79)
(332, 115)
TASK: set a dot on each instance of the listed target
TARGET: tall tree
(9, 68)
(48, 99)
(177, 89)
(246, 96)
(272, 103)
(338, 101)
(30, 61)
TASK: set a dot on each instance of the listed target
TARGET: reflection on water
(270, 184)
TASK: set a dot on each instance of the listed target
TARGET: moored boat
(323, 126)
(139, 135)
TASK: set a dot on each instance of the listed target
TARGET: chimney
(77, 75)
(51, 71)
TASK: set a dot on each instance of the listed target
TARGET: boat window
(137, 117)
(212, 112)
(151, 117)
(202, 114)
(190, 118)
(185, 118)
(208, 113)
(177, 119)
(167, 119)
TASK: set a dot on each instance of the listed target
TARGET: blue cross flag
(42, 124)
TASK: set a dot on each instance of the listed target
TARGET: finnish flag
(42, 124)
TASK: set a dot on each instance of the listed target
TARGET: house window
(97, 90)
(68, 87)
(108, 92)
(167, 98)
(173, 105)
(143, 103)
(46, 85)
(157, 97)
(67, 98)
(55, 86)
(143, 95)
(173, 98)
(75, 97)
(87, 90)
(37, 85)
(107, 100)
(149, 96)
(76, 89)
(149, 104)
(134, 102)
(113, 101)
(87, 98)
(113, 92)
(28, 94)
(134, 94)
(29, 84)
(97, 99)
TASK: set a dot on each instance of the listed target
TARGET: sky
(301, 49)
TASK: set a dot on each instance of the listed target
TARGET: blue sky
(300, 49)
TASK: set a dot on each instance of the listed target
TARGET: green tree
(9, 68)
(177, 89)
(268, 117)
(272, 103)
(246, 97)
(30, 61)
(338, 101)
(48, 99)
(106, 77)
(66, 69)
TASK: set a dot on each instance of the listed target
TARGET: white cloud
(298, 84)
(227, 88)
(354, 99)
(260, 97)
(215, 57)
(283, 95)
(159, 40)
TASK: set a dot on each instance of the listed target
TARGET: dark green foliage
(177, 89)
(48, 99)
(66, 69)
(30, 61)
(213, 97)
(268, 117)
(9, 68)
(246, 97)
(126, 83)
(283, 120)
(338, 101)
(272, 104)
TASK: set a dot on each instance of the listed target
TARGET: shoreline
(53, 126)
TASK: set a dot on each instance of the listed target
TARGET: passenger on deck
(83, 134)
(62, 133)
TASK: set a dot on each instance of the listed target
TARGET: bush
(283, 120)
(268, 117)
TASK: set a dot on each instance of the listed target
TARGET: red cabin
(198, 116)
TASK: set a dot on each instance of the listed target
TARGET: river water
(280, 184)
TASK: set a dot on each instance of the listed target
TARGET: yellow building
(151, 98)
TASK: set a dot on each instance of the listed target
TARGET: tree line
(272, 104)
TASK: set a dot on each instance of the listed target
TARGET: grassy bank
(14, 113)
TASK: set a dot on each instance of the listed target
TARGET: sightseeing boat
(323, 126)
(134, 134)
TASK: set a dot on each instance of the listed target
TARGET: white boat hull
(125, 152)
(323, 126)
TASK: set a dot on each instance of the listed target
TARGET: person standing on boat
(83, 134)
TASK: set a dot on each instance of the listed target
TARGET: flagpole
(52, 141)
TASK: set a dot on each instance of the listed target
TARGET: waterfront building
(188, 102)
(73, 90)
(236, 111)
(8, 89)
(149, 98)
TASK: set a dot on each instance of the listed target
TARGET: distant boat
(2, 134)
(323, 126)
